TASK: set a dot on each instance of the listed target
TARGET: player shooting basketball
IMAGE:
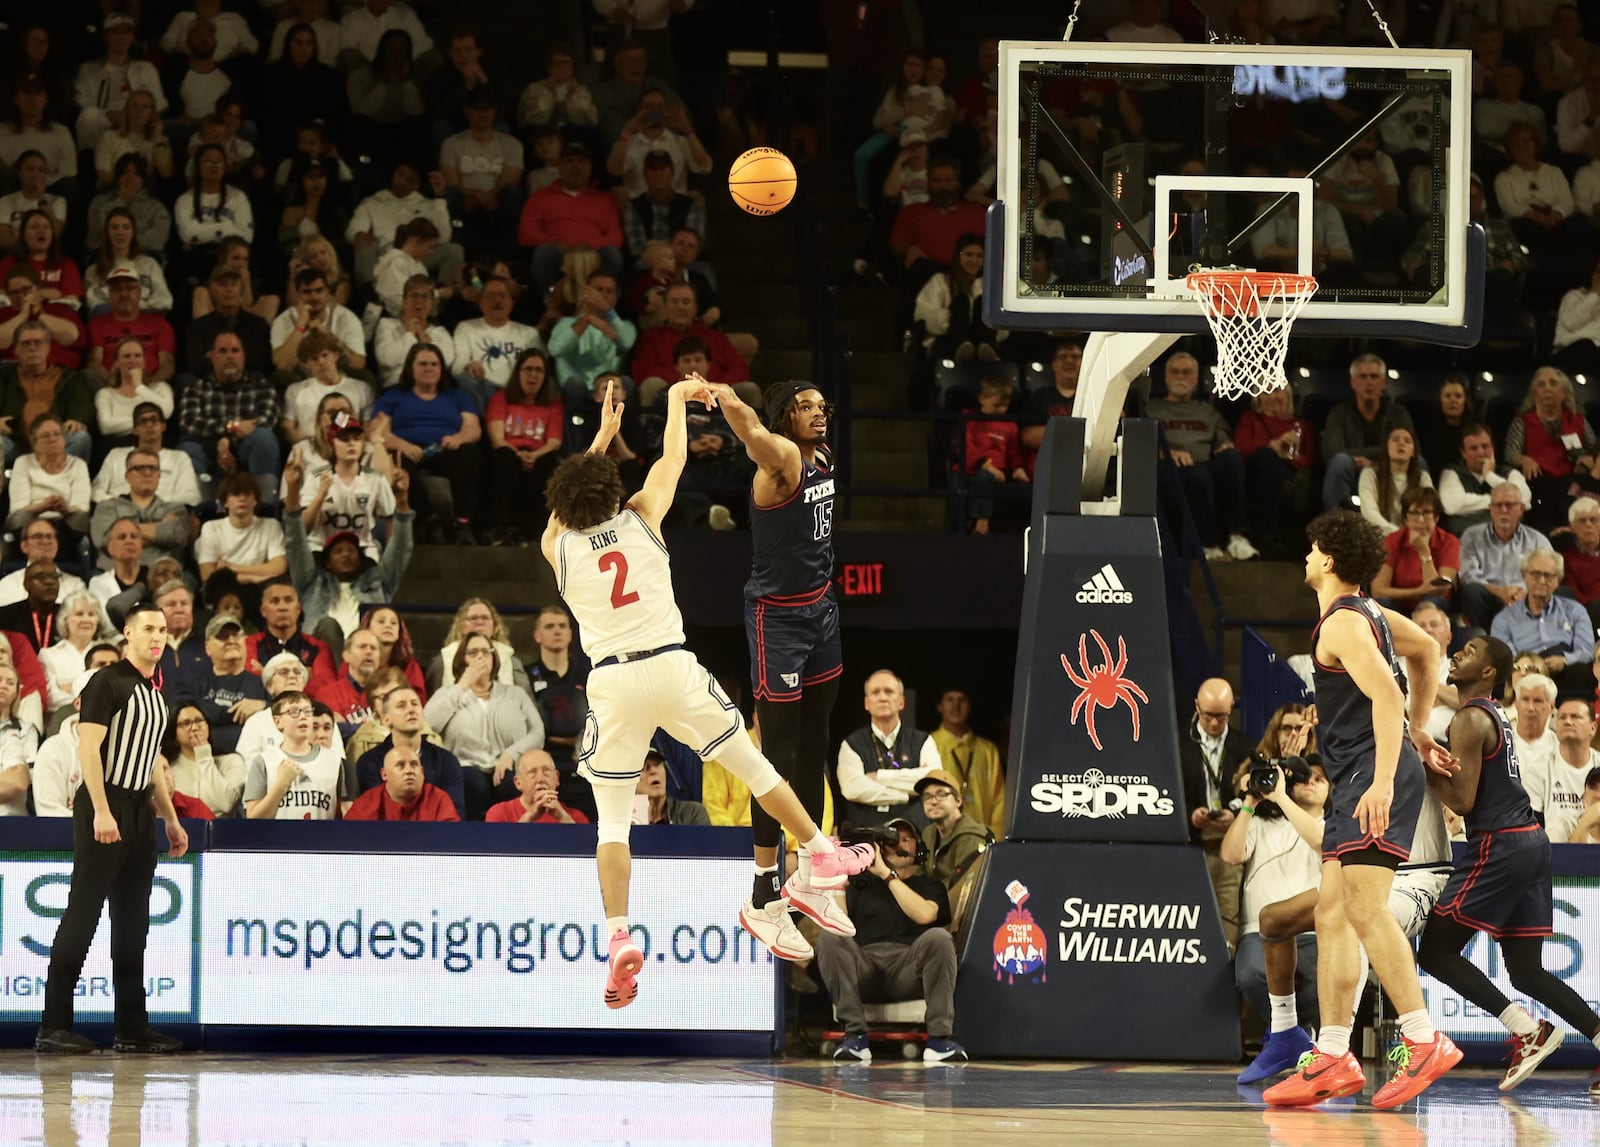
(613, 571)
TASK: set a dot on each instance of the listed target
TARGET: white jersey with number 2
(617, 580)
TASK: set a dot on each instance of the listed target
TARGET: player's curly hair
(1354, 544)
(1501, 658)
(584, 491)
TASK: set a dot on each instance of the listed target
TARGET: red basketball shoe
(1417, 1065)
(1318, 1076)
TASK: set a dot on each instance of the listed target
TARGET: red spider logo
(1104, 685)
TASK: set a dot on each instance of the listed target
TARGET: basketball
(762, 181)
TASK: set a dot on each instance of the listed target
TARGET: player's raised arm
(610, 422)
(661, 484)
(772, 453)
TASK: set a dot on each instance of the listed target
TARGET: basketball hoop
(1251, 313)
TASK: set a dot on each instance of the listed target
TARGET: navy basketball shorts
(1503, 886)
(1342, 837)
(792, 646)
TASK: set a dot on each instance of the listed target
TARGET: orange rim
(1240, 292)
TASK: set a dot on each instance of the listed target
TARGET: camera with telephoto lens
(885, 836)
(1264, 779)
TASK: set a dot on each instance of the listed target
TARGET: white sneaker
(1240, 549)
(1214, 554)
(772, 926)
(821, 907)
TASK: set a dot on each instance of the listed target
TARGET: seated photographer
(901, 948)
(1282, 809)
(1417, 885)
(953, 840)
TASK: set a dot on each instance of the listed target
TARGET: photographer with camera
(1280, 816)
(902, 946)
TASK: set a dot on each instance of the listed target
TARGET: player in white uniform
(613, 571)
(1418, 883)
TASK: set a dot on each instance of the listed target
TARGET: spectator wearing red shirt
(30, 674)
(570, 212)
(1422, 554)
(24, 303)
(536, 779)
(925, 234)
(404, 795)
(125, 320)
(346, 693)
(1583, 556)
(993, 452)
(39, 249)
(655, 355)
(525, 422)
(1279, 451)
(281, 612)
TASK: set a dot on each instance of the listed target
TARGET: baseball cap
(220, 622)
(342, 536)
(117, 20)
(575, 147)
(343, 423)
(81, 681)
(913, 136)
(900, 822)
(937, 777)
(285, 660)
(123, 272)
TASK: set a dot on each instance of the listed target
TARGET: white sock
(1519, 1022)
(615, 924)
(803, 867)
(1416, 1026)
(1334, 1040)
(818, 843)
(1283, 1013)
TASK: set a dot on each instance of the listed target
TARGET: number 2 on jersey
(620, 595)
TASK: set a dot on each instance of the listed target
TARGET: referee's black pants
(121, 873)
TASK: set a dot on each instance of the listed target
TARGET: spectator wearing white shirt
(1555, 781)
(1493, 115)
(127, 387)
(102, 86)
(19, 745)
(1534, 196)
(414, 324)
(487, 347)
(658, 125)
(348, 498)
(78, 622)
(212, 210)
(408, 258)
(1577, 339)
(49, 483)
(482, 168)
(1578, 114)
(316, 311)
(380, 215)
(56, 772)
(215, 779)
(364, 26)
(233, 35)
(178, 483)
(1380, 486)
(31, 195)
(319, 355)
(119, 247)
(1365, 186)
(560, 97)
(201, 87)
(880, 764)
(249, 547)
(1467, 483)
(283, 673)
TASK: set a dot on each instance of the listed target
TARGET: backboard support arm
(1111, 361)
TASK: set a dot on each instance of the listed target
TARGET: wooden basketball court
(401, 1101)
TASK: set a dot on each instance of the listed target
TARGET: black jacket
(1192, 765)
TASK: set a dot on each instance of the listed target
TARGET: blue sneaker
(943, 1051)
(1281, 1051)
(853, 1049)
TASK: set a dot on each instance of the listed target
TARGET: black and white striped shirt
(134, 714)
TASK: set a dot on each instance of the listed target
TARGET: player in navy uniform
(1378, 781)
(1503, 886)
(791, 622)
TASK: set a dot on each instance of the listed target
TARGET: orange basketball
(762, 181)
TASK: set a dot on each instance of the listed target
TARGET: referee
(122, 721)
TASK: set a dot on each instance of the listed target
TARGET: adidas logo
(1105, 588)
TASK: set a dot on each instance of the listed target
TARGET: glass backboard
(1121, 167)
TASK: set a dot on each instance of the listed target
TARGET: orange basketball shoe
(1417, 1065)
(1318, 1076)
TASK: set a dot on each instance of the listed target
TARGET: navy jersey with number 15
(792, 563)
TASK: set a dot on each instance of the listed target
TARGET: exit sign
(861, 579)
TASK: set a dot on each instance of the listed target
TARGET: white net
(1251, 313)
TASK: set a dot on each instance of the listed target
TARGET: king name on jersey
(603, 539)
(821, 490)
